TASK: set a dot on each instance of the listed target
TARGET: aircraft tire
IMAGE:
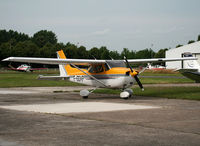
(85, 97)
(126, 98)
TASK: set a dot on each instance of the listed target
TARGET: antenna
(111, 57)
(93, 57)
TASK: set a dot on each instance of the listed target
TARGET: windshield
(115, 63)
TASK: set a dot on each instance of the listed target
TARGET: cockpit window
(116, 63)
(96, 68)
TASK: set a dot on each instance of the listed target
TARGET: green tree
(125, 53)
(6, 36)
(94, 52)
(5, 50)
(146, 53)
(132, 54)
(42, 37)
(71, 50)
(25, 49)
(104, 53)
(82, 52)
(191, 41)
(161, 53)
(179, 45)
(114, 55)
(47, 51)
(198, 39)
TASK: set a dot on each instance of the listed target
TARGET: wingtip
(7, 59)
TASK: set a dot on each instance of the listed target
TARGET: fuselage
(117, 77)
(111, 74)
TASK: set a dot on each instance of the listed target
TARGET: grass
(192, 93)
(20, 79)
(165, 80)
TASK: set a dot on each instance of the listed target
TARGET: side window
(96, 69)
(106, 67)
(91, 70)
(99, 68)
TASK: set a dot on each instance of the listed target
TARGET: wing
(159, 60)
(87, 61)
(53, 60)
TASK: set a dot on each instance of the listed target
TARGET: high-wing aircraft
(24, 68)
(100, 73)
(190, 68)
(156, 67)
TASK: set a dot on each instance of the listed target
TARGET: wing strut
(89, 75)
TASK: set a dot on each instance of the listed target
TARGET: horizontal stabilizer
(41, 77)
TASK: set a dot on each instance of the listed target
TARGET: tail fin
(63, 68)
(190, 64)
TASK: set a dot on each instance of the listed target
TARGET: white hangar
(194, 48)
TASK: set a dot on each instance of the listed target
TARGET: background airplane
(155, 67)
(100, 74)
(24, 68)
(190, 68)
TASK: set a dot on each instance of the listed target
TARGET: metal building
(194, 48)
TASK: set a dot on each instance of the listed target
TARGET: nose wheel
(127, 93)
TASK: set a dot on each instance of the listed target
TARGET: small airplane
(190, 68)
(100, 73)
(24, 68)
(156, 67)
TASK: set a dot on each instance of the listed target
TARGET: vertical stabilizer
(62, 68)
(190, 64)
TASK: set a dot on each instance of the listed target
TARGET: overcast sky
(117, 24)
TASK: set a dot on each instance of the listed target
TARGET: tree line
(44, 43)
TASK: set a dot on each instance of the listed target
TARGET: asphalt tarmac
(141, 121)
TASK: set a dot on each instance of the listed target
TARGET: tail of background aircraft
(190, 68)
(190, 64)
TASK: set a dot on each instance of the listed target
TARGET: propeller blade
(135, 76)
(139, 83)
(128, 64)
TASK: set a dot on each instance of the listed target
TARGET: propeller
(135, 76)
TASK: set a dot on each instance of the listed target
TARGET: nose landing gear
(127, 93)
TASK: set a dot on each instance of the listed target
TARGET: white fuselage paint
(111, 81)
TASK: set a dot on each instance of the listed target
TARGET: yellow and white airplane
(100, 73)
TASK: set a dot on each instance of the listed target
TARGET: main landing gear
(84, 93)
(127, 93)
